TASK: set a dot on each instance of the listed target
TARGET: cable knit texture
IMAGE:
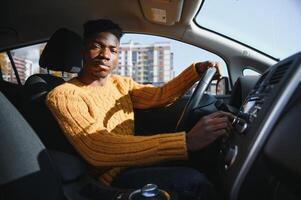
(99, 121)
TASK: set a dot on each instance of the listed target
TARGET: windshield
(271, 26)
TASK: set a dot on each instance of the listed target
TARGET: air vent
(279, 74)
(261, 79)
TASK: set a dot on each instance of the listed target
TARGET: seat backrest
(26, 170)
(62, 53)
(37, 114)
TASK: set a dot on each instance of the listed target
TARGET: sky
(272, 26)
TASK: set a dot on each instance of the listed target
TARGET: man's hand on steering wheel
(207, 71)
(208, 129)
(201, 68)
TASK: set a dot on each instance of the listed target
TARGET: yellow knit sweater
(99, 121)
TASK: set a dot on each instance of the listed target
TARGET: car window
(250, 72)
(7, 72)
(156, 60)
(26, 60)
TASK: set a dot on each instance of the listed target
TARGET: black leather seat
(62, 53)
(30, 171)
(26, 169)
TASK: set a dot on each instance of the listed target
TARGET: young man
(95, 111)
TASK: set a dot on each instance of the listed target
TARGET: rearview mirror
(222, 86)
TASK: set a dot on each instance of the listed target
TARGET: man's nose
(104, 53)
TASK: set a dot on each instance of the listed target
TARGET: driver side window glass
(156, 60)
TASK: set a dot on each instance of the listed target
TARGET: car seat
(62, 53)
(30, 171)
(26, 170)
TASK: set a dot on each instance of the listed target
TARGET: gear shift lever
(149, 192)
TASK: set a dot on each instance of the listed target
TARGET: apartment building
(146, 63)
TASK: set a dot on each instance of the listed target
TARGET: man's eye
(114, 50)
(96, 46)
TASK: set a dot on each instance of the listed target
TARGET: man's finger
(219, 126)
(210, 63)
(218, 120)
(221, 114)
(219, 132)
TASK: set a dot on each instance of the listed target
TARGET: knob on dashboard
(239, 124)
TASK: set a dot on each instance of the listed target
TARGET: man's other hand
(208, 129)
(201, 67)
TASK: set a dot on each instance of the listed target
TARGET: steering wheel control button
(149, 192)
(230, 156)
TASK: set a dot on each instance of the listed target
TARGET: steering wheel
(196, 97)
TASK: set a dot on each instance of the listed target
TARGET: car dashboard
(262, 158)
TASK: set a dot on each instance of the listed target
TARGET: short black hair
(92, 27)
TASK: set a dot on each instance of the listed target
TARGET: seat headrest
(63, 52)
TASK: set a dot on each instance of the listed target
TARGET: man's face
(100, 55)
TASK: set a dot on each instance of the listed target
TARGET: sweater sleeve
(101, 148)
(148, 96)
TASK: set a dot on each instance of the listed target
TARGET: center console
(254, 123)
